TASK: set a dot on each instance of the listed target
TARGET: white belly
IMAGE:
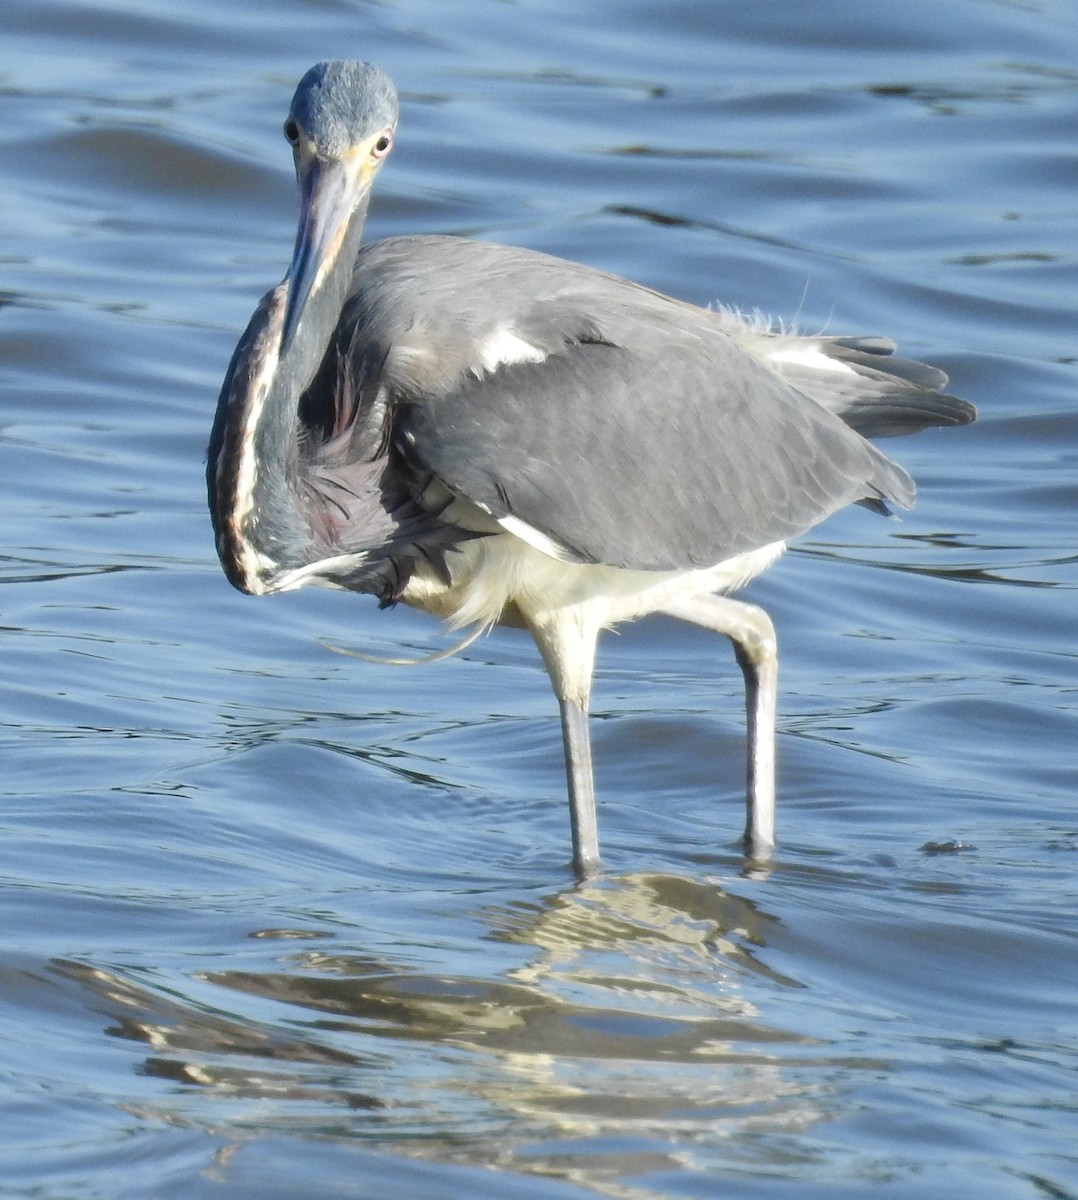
(501, 577)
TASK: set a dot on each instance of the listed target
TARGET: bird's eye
(291, 131)
(381, 147)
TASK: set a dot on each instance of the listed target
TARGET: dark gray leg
(756, 649)
(566, 639)
(582, 820)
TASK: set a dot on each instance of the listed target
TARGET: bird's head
(340, 126)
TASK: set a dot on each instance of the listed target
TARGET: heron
(494, 435)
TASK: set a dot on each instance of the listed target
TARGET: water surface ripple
(279, 923)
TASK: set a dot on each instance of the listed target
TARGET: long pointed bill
(330, 192)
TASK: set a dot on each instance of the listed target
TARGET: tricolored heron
(494, 435)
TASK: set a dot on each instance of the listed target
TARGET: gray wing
(646, 437)
(858, 379)
(654, 461)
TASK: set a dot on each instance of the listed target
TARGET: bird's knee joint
(756, 648)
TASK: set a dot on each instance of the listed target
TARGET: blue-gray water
(281, 923)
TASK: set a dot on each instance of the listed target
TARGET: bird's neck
(253, 468)
(277, 428)
(278, 431)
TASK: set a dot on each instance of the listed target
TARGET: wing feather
(626, 427)
(675, 458)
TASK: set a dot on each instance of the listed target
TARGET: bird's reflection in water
(635, 1013)
(237, 1056)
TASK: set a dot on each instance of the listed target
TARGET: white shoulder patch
(503, 347)
(805, 354)
(534, 538)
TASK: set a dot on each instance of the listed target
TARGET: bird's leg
(582, 820)
(756, 648)
(566, 639)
